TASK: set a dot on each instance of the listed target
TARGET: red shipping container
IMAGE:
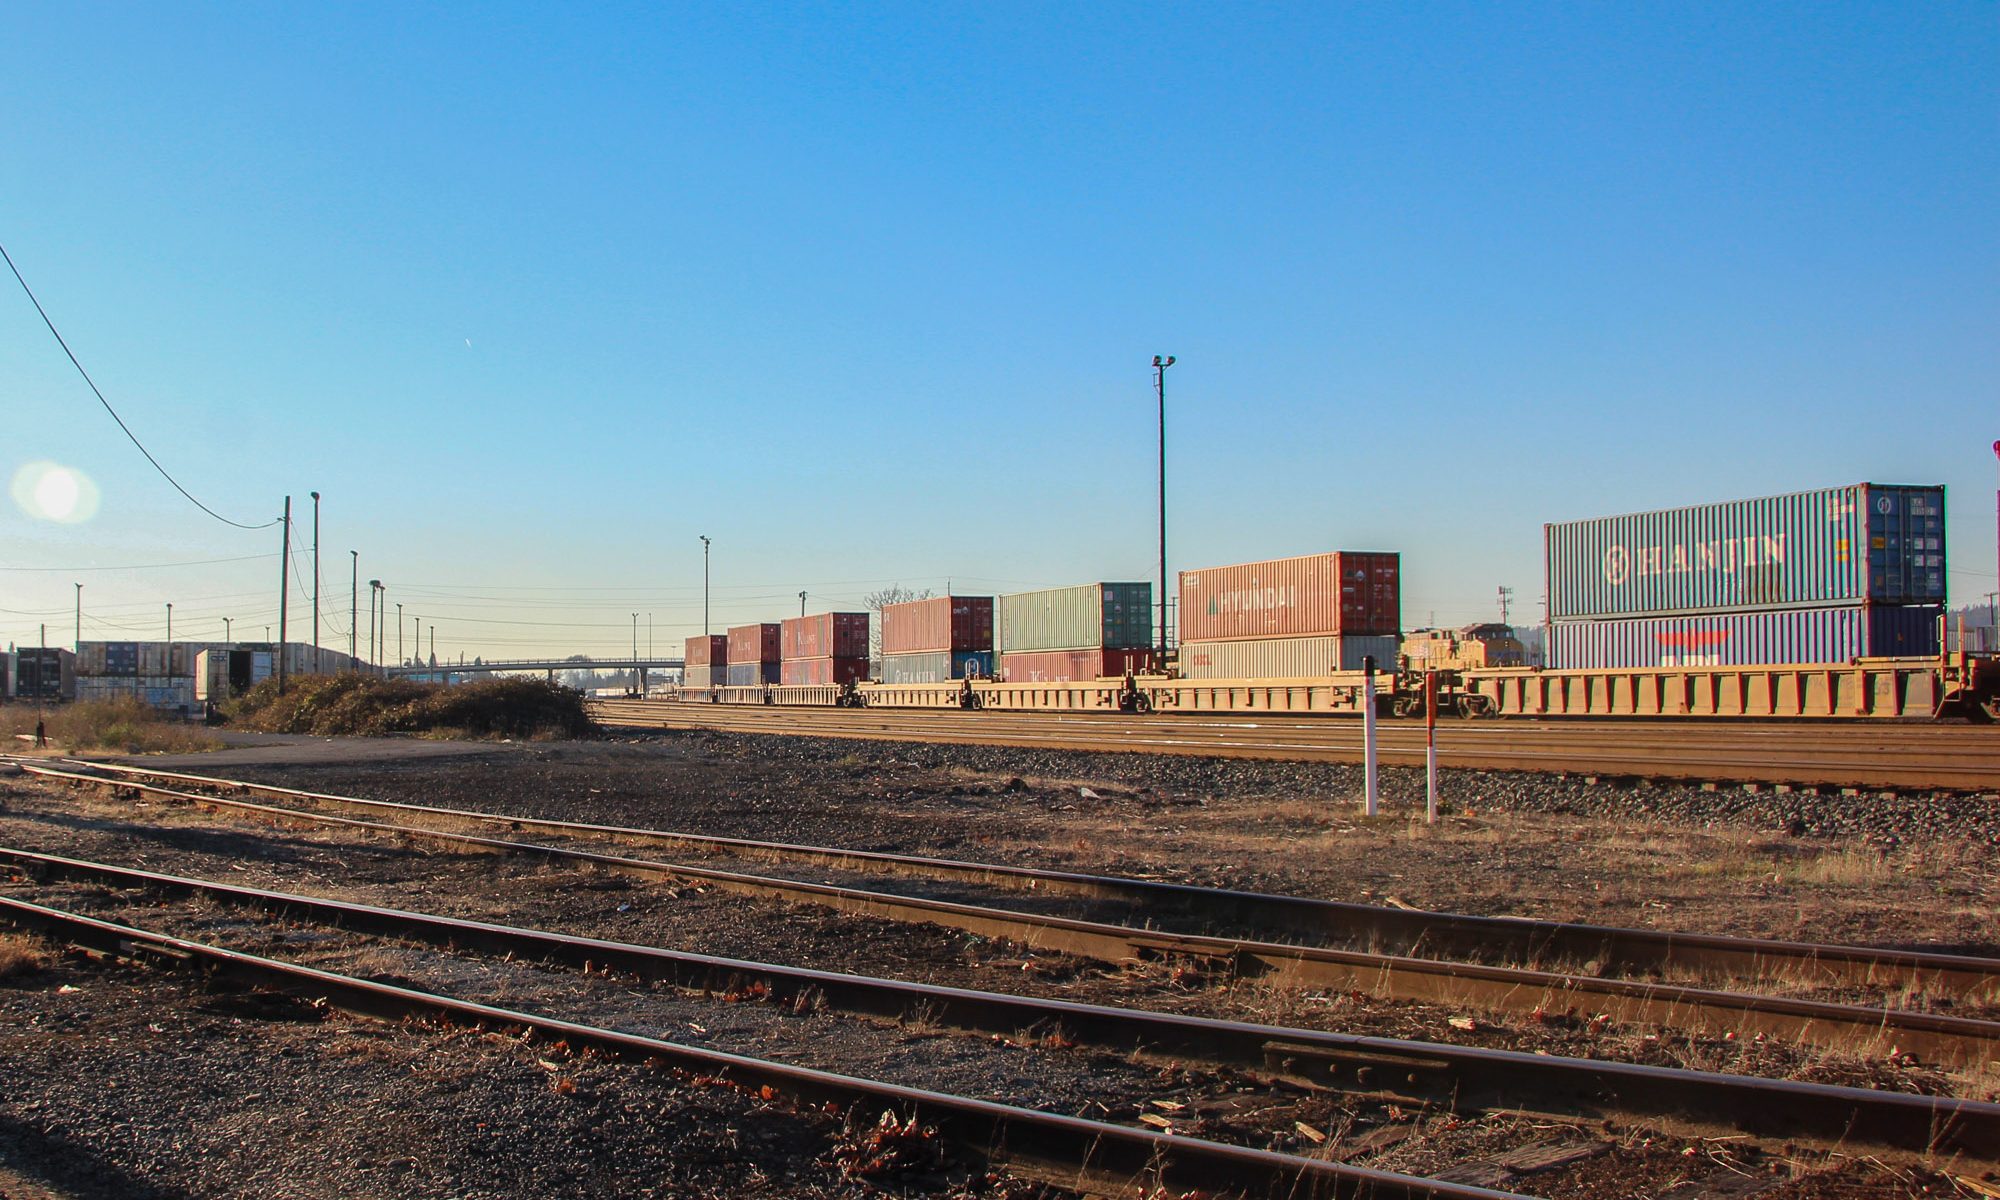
(823, 670)
(943, 623)
(753, 643)
(1318, 595)
(708, 650)
(1058, 666)
(825, 635)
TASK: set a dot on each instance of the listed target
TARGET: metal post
(802, 604)
(284, 593)
(79, 619)
(704, 585)
(353, 603)
(1430, 747)
(1370, 800)
(434, 644)
(400, 656)
(226, 636)
(1160, 366)
(635, 650)
(316, 663)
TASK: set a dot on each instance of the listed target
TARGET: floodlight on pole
(704, 585)
(1160, 365)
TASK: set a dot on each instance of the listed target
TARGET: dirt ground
(132, 1080)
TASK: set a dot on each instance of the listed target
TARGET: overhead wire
(164, 473)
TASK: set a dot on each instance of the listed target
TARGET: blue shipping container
(751, 674)
(939, 666)
(1800, 635)
(1868, 543)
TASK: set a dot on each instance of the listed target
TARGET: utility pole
(704, 585)
(635, 641)
(1160, 366)
(284, 593)
(434, 644)
(374, 643)
(802, 604)
(316, 663)
(225, 632)
(1506, 601)
(353, 601)
(170, 637)
(79, 619)
(399, 633)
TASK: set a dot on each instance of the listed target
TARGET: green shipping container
(1093, 616)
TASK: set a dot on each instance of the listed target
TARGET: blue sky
(869, 294)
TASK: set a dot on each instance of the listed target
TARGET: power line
(204, 562)
(107, 404)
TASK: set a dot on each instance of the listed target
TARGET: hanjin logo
(1617, 565)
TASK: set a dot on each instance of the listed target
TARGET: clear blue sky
(869, 294)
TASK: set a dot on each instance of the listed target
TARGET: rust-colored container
(1058, 666)
(1319, 595)
(707, 650)
(822, 671)
(943, 623)
(825, 635)
(753, 643)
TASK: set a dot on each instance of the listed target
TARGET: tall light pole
(802, 604)
(353, 601)
(399, 632)
(79, 620)
(284, 595)
(226, 636)
(374, 601)
(704, 585)
(170, 635)
(635, 639)
(1160, 366)
(316, 666)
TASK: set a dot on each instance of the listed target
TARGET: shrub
(330, 705)
(129, 726)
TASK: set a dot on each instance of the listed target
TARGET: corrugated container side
(1317, 595)
(825, 635)
(1087, 617)
(1058, 666)
(940, 623)
(1799, 635)
(710, 649)
(1285, 658)
(705, 676)
(937, 666)
(1881, 543)
(754, 643)
(750, 674)
(823, 671)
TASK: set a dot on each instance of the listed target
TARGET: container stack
(706, 660)
(826, 648)
(1291, 617)
(1093, 631)
(1812, 577)
(42, 674)
(753, 655)
(937, 640)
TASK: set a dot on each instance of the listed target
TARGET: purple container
(1870, 543)
(1802, 635)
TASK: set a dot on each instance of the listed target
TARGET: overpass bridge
(450, 672)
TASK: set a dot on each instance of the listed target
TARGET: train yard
(1059, 972)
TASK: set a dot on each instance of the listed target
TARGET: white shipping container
(1285, 658)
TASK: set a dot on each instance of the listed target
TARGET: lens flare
(50, 491)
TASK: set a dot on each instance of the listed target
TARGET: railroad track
(1884, 756)
(1156, 904)
(1947, 1039)
(1906, 1127)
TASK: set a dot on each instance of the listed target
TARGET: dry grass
(125, 726)
(20, 956)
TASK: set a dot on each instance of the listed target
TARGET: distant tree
(875, 602)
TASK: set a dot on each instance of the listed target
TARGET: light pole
(225, 632)
(399, 633)
(374, 602)
(316, 666)
(704, 585)
(170, 636)
(79, 619)
(635, 638)
(353, 600)
(1160, 366)
(802, 604)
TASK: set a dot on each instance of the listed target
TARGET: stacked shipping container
(1087, 632)
(826, 648)
(1809, 577)
(706, 660)
(936, 640)
(754, 654)
(1291, 617)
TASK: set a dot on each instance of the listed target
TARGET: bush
(330, 705)
(128, 726)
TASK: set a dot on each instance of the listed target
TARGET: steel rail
(1955, 1040)
(1463, 1078)
(1080, 1153)
(1689, 754)
(1405, 931)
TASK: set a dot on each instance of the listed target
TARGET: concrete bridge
(444, 672)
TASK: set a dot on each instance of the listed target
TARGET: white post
(1430, 747)
(1368, 734)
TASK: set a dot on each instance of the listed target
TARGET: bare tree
(874, 602)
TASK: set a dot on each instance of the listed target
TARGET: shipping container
(823, 671)
(750, 674)
(825, 635)
(1117, 616)
(1836, 547)
(705, 676)
(1286, 658)
(1798, 635)
(169, 694)
(44, 674)
(709, 649)
(937, 666)
(1059, 666)
(1317, 595)
(940, 623)
(754, 643)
